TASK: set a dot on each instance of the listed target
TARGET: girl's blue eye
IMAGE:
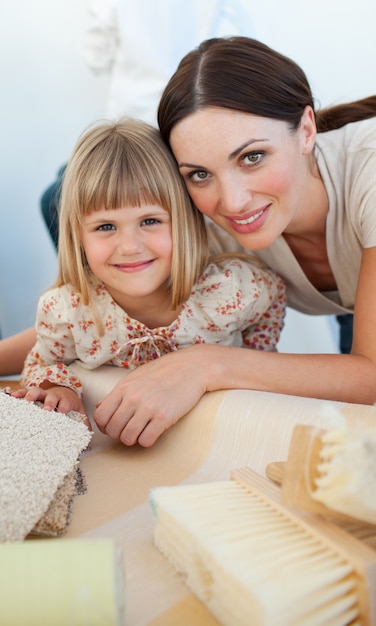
(106, 227)
(149, 221)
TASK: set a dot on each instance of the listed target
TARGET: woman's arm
(155, 396)
(13, 351)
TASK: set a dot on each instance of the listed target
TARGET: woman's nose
(234, 197)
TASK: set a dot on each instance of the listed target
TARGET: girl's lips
(251, 223)
(133, 267)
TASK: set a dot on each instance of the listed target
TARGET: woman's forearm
(340, 377)
(13, 351)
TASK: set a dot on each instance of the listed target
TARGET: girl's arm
(13, 351)
(49, 381)
(53, 398)
(46, 376)
(156, 395)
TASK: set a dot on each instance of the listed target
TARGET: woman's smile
(250, 223)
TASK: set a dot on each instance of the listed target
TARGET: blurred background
(49, 96)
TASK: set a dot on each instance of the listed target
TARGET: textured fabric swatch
(58, 515)
(39, 457)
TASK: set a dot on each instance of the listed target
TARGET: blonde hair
(121, 164)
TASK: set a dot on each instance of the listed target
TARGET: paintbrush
(255, 562)
(332, 472)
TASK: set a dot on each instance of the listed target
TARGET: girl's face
(247, 173)
(130, 251)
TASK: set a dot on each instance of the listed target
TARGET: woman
(283, 96)
(240, 120)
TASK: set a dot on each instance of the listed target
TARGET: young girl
(134, 279)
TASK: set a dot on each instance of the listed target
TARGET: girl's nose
(129, 242)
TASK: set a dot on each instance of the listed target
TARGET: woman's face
(247, 173)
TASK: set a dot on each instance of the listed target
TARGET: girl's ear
(308, 130)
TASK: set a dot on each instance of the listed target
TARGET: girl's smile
(133, 267)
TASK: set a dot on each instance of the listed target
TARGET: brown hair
(124, 164)
(342, 114)
(246, 75)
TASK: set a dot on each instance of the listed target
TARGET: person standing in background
(139, 44)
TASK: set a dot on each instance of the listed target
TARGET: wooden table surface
(12, 384)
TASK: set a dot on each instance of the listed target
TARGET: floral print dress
(234, 303)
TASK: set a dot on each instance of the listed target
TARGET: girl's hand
(153, 397)
(61, 399)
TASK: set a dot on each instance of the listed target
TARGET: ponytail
(337, 116)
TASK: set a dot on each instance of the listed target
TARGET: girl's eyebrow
(109, 216)
(93, 220)
(232, 155)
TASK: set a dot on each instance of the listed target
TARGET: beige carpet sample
(39, 467)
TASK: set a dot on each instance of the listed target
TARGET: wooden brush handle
(275, 471)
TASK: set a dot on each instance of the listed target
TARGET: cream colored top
(347, 162)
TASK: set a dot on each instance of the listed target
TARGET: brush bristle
(346, 479)
(249, 563)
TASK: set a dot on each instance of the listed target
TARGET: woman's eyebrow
(232, 155)
(247, 143)
(192, 165)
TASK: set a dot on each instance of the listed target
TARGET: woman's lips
(250, 223)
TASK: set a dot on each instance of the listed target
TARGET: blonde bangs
(118, 173)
